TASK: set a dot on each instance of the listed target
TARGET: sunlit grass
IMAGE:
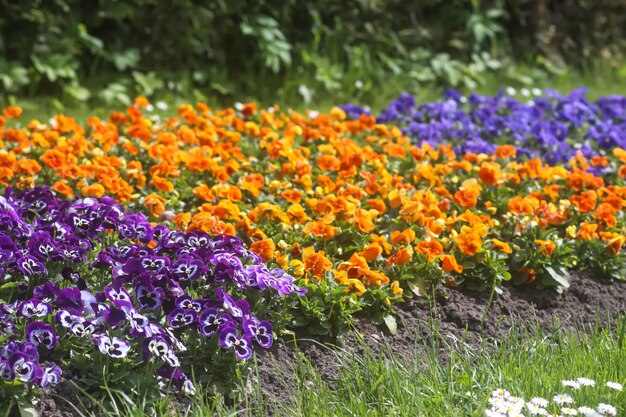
(450, 378)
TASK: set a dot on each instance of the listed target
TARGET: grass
(600, 80)
(528, 363)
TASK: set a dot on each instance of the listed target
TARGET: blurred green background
(104, 52)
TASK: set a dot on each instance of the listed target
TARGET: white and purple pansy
(23, 367)
(117, 294)
(51, 376)
(6, 372)
(181, 317)
(30, 266)
(114, 347)
(83, 328)
(242, 346)
(67, 319)
(41, 334)
(212, 320)
(186, 302)
(155, 346)
(149, 297)
(261, 331)
(154, 264)
(34, 308)
(236, 308)
(188, 267)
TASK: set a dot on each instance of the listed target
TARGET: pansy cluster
(89, 275)
(543, 124)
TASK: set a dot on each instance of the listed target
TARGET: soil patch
(458, 316)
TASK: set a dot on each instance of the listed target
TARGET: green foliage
(290, 48)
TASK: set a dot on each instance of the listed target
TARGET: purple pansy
(149, 297)
(114, 347)
(34, 308)
(261, 331)
(181, 317)
(228, 338)
(212, 320)
(30, 266)
(41, 334)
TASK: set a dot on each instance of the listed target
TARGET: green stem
(486, 311)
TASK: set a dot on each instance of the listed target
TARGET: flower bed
(87, 277)
(352, 208)
(547, 125)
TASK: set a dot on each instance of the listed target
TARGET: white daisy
(561, 399)
(607, 409)
(587, 411)
(535, 410)
(500, 392)
(536, 91)
(511, 91)
(569, 411)
(491, 413)
(571, 384)
(541, 402)
(586, 382)
(615, 385)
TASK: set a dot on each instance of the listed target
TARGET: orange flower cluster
(323, 197)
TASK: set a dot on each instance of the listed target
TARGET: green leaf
(391, 323)
(417, 286)
(125, 59)
(559, 275)
(27, 410)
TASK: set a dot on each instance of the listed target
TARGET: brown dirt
(458, 317)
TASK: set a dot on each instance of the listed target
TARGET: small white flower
(571, 384)
(313, 114)
(515, 414)
(536, 91)
(511, 91)
(615, 385)
(358, 84)
(491, 413)
(161, 105)
(150, 107)
(587, 411)
(525, 92)
(498, 402)
(238, 106)
(530, 103)
(569, 411)
(586, 382)
(561, 399)
(463, 99)
(535, 410)
(540, 402)
(607, 409)
(500, 392)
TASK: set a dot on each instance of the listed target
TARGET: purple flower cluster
(551, 126)
(88, 271)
